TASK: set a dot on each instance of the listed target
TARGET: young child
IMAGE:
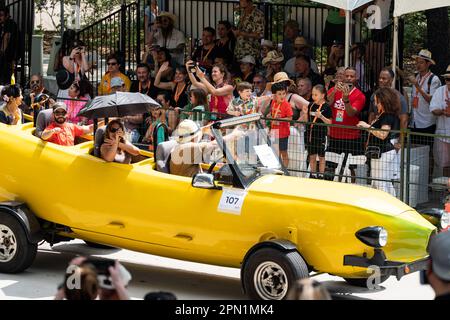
(245, 104)
(197, 107)
(157, 116)
(318, 112)
(74, 106)
(171, 114)
(280, 109)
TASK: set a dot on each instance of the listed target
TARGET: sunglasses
(112, 63)
(447, 79)
(114, 130)
(35, 82)
(257, 82)
(60, 113)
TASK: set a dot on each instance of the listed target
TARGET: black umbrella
(119, 105)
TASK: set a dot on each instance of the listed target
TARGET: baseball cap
(248, 59)
(59, 105)
(440, 255)
(117, 82)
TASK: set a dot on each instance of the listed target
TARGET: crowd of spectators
(232, 71)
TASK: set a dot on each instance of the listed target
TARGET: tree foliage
(90, 10)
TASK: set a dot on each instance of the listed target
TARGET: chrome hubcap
(8, 244)
(270, 281)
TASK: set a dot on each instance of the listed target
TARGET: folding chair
(352, 160)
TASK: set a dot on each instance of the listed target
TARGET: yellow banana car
(245, 212)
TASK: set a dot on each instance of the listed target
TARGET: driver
(187, 156)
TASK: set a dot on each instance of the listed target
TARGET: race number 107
(231, 200)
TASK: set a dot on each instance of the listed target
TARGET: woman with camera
(115, 148)
(220, 90)
(379, 148)
(74, 67)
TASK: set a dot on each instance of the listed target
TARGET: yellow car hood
(327, 191)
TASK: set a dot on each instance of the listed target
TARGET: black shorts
(317, 146)
(345, 146)
(283, 144)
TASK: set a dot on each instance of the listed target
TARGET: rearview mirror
(204, 181)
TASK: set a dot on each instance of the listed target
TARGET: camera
(101, 265)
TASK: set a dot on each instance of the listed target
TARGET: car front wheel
(16, 253)
(269, 273)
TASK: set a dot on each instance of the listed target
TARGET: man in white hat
(301, 47)
(273, 64)
(165, 35)
(440, 107)
(187, 156)
(425, 85)
(247, 66)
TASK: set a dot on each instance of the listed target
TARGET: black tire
(362, 282)
(97, 245)
(11, 231)
(291, 264)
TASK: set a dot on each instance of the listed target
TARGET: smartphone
(101, 265)
(423, 277)
(350, 86)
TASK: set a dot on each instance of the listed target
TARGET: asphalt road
(185, 279)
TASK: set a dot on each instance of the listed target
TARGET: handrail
(122, 8)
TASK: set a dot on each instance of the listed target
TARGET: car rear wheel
(16, 252)
(362, 282)
(269, 273)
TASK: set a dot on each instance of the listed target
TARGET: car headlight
(375, 237)
(438, 217)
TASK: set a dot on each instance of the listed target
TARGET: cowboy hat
(168, 15)
(281, 77)
(447, 72)
(301, 41)
(273, 56)
(424, 54)
(187, 131)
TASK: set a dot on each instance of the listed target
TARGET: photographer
(438, 273)
(85, 279)
(75, 64)
(37, 89)
(221, 91)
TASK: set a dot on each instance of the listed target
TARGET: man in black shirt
(144, 84)
(8, 45)
(303, 70)
(205, 54)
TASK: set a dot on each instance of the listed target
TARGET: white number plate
(232, 201)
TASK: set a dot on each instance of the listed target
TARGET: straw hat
(168, 15)
(447, 74)
(186, 131)
(281, 77)
(424, 54)
(248, 59)
(266, 43)
(301, 41)
(273, 56)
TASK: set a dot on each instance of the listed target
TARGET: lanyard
(178, 93)
(203, 58)
(314, 121)
(277, 110)
(148, 87)
(376, 119)
(421, 82)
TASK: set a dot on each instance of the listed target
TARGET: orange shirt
(67, 135)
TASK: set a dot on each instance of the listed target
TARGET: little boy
(245, 104)
(280, 109)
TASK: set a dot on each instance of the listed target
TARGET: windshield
(248, 148)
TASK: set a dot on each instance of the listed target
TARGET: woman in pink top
(74, 106)
(221, 92)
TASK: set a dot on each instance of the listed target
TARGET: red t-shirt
(340, 116)
(277, 111)
(67, 135)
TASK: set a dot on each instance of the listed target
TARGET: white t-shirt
(173, 42)
(289, 67)
(422, 116)
(438, 103)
